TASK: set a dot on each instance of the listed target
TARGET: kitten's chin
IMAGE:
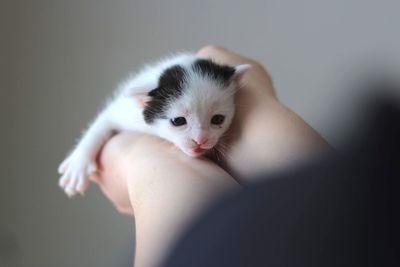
(197, 152)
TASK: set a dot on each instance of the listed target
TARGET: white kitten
(184, 99)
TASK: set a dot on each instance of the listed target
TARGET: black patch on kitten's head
(220, 73)
(169, 87)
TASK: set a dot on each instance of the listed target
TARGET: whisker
(222, 150)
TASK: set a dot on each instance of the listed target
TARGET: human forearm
(166, 188)
(274, 139)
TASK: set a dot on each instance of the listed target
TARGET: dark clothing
(341, 211)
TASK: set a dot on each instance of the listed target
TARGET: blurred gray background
(61, 59)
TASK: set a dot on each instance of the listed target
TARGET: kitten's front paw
(75, 172)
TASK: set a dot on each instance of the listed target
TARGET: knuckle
(210, 49)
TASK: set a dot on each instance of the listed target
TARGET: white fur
(202, 99)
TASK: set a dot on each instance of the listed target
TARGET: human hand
(132, 163)
(265, 135)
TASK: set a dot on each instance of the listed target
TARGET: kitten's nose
(200, 141)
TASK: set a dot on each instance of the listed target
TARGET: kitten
(184, 99)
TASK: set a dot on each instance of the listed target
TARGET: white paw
(75, 171)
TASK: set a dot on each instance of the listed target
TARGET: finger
(223, 55)
(256, 77)
(95, 177)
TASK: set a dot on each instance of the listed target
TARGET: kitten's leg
(81, 163)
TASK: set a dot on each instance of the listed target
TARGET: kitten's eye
(218, 119)
(178, 121)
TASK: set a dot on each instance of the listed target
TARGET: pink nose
(201, 141)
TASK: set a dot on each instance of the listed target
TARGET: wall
(60, 60)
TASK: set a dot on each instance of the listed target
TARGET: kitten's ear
(240, 69)
(141, 99)
(140, 93)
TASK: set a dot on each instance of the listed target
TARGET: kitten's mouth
(198, 150)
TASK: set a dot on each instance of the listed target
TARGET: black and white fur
(184, 99)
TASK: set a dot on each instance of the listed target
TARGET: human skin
(165, 189)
